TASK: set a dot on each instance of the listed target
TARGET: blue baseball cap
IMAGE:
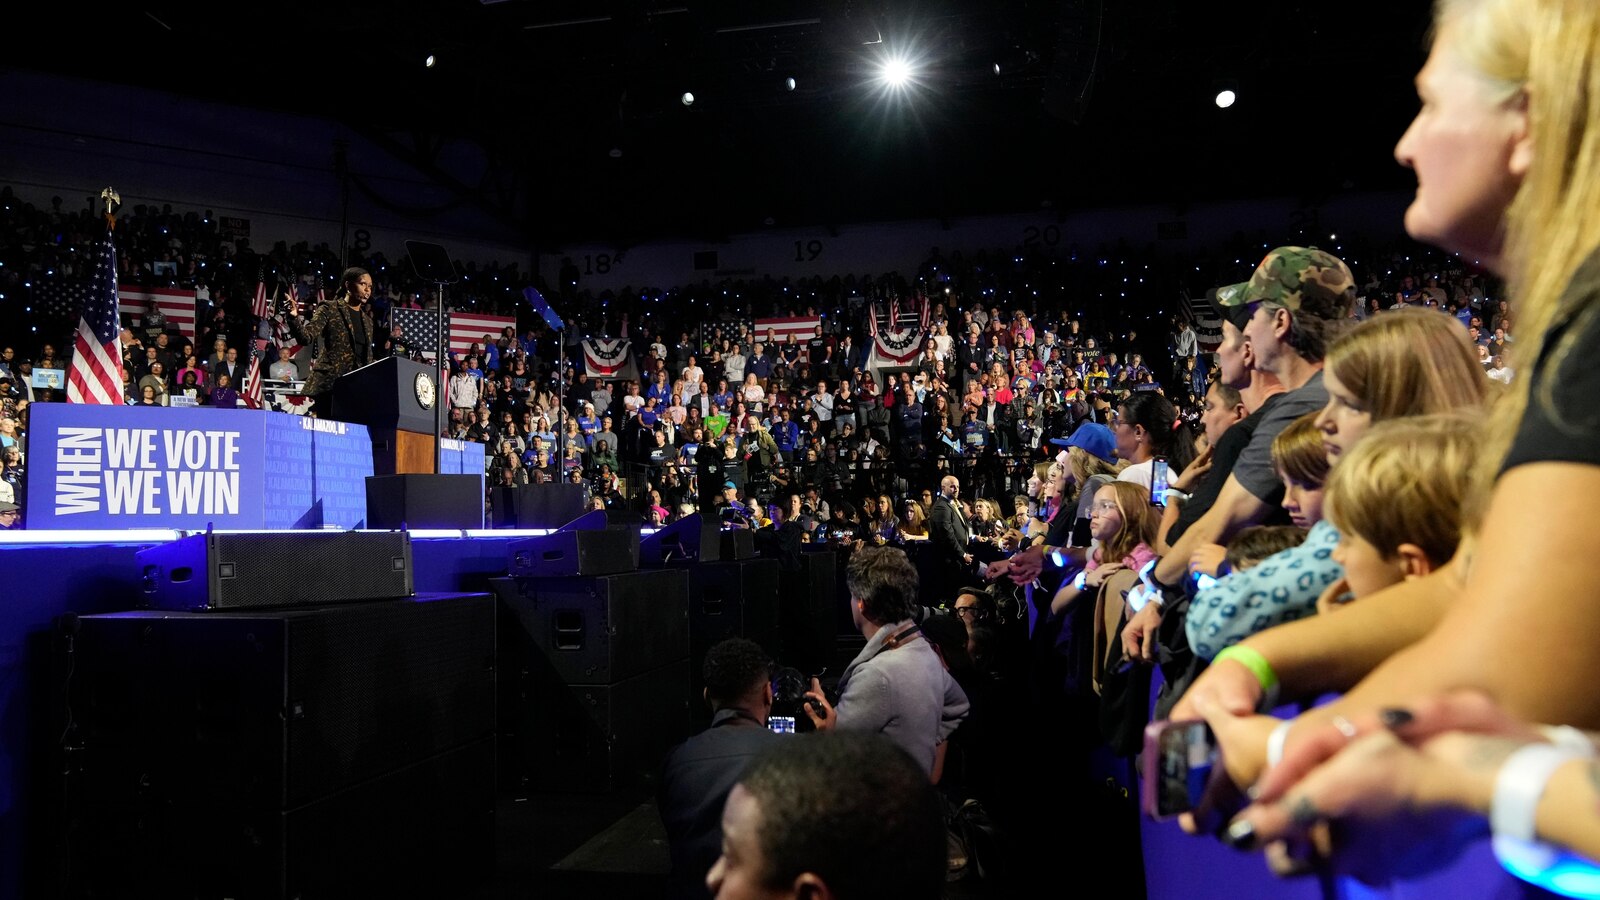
(1094, 438)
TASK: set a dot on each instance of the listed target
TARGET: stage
(61, 576)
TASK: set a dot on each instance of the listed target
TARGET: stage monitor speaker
(424, 830)
(738, 543)
(215, 571)
(808, 599)
(694, 537)
(270, 710)
(596, 738)
(595, 630)
(602, 551)
(425, 501)
(537, 505)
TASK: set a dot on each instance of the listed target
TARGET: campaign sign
(116, 467)
(463, 457)
(93, 466)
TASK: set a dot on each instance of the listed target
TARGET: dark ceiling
(577, 104)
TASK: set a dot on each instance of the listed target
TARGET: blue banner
(92, 467)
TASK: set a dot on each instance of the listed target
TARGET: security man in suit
(950, 534)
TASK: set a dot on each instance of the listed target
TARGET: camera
(789, 698)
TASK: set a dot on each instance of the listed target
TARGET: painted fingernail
(1242, 835)
(1253, 792)
(1395, 717)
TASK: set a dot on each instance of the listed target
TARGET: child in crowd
(1123, 523)
(1238, 605)
(1254, 544)
(1396, 499)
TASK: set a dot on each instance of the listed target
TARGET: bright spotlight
(788, 83)
(997, 68)
(896, 72)
(429, 61)
(688, 99)
(1225, 99)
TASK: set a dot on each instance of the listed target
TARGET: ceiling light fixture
(896, 72)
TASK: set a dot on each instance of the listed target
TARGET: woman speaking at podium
(342, 334)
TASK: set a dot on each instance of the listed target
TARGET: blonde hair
(1549, 52)
(1298, 453)
(1139, 521)
(1086, 465)
(1409, 362)
(1405, 482)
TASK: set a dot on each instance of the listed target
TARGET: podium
(395, 399)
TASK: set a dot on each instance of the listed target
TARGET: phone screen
(1179, 758)
(781, 724)
(1158, 481)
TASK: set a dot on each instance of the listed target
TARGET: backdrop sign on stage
(94, 467)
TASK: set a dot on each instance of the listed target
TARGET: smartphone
(1183, 773)
(1158, 481)
(1179, 758)
(781, 724)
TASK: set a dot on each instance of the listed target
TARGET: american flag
(252, 379)
(804, 328)
(1207, 327)
(419, 329)
(95, 375)
(260, 306)
(280, 326)
(177, 304)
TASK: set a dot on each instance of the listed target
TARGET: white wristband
(1568, 738)
(1518, 786)
(1276, 741)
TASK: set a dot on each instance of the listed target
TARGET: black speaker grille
(271, 710)
(263, 571)
(379, 686)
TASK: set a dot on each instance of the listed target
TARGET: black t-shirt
(1568, 430)
(1229, 446)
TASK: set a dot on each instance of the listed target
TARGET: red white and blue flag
(95, 375)
(177, 304)
(899, 340)
(609, 358)
(252, 380)
(260, 306)
(802, 328)
(419, 329)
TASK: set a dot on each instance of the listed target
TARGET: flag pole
(442, 366)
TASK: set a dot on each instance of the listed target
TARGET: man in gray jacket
(897, 685)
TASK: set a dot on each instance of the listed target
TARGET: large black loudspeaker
(537, 505)
(425, 501)
(257, 571)
(602, 629)
(597, 677)
(693, 537)
(595, 738)
(588, 545)
(283, 743)
(424, 831)
(734, 598)
(806, 612)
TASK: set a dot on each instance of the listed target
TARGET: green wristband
(1259, 667)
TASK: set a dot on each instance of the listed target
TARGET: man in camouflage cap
(1297, 302)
